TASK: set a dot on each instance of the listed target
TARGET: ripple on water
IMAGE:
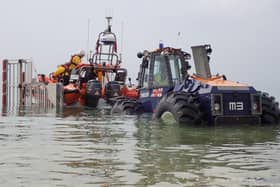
(92, 148)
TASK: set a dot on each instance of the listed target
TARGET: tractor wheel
(270, 110)
(184, 107)
(127, 106)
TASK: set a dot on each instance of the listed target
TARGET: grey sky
(244, 34)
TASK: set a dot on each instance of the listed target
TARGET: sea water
(82, 147)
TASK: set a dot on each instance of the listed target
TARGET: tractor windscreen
(175, 67)
(161, 74)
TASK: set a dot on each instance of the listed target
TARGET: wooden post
(4, 86)
(20, 86)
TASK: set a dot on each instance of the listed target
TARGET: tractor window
(175, 66)
(160, 72)
(146, 77)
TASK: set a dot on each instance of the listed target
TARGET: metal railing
(21, 89)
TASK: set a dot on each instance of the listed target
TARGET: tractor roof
(167, 51)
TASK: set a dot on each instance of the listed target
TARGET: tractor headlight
(256, 104)
(217, 107)
(217, 104)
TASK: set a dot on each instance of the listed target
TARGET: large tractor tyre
(184, 107)
(127, 106)
(270, 110)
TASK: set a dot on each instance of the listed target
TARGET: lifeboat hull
(71, 95)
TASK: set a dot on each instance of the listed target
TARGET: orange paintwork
(219, 81)
(100, 70)
(129, 92)
(72, 94)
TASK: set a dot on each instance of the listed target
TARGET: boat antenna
(88, 55)
(179, 39)
(122, 26)
(109, 18)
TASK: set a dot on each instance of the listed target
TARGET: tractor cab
(160, 71)
(164, 67)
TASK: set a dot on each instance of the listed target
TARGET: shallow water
(92, 148)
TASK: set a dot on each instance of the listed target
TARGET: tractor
(165, 86)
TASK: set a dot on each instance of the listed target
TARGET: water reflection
(172, 154)
(97, 147)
